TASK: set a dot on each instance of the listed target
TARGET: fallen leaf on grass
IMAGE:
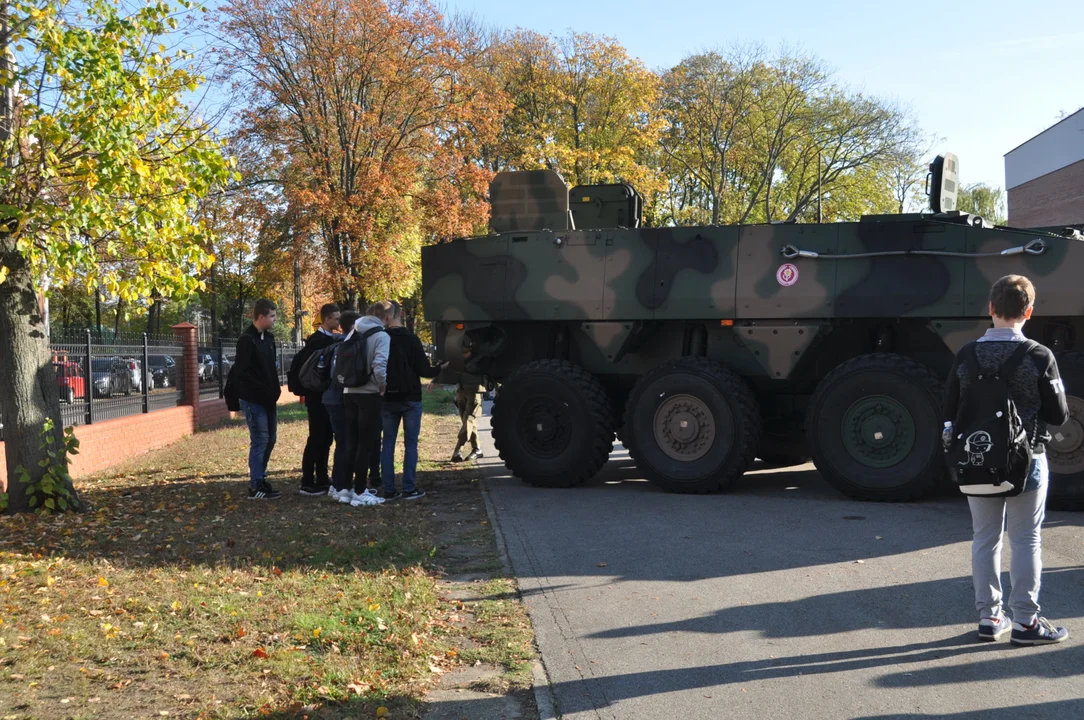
(260, 653)
(103, 582)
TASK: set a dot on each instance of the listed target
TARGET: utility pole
(297, 301)
(819, 175)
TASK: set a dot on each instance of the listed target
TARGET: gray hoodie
(377, 346)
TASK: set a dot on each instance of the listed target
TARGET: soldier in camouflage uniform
(468, 400)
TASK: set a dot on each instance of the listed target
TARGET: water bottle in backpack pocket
(989, 453)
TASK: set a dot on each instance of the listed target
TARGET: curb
(543, 689)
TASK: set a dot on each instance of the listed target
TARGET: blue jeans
(337, 413)
(410, 413)
(262, 433)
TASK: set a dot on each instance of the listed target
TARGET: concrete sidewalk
(778, 599)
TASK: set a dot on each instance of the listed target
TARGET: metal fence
(215, 360)
(135, 373)
(130, 375)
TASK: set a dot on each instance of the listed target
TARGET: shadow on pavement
(1039, 711)
(906, 606)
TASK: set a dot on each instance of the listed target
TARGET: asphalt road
(778, 599)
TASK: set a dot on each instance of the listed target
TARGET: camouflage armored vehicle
(703, 348)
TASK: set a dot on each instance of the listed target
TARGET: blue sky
(985, 76)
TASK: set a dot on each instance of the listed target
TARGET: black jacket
(256, 376)
(313, 344)
(403, 377)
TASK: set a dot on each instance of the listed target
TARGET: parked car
(163, 370)
(110, 377)
(206, 368)
(70, 381)
(227, 364)
(135, 371)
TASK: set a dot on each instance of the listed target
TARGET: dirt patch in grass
(176, 596)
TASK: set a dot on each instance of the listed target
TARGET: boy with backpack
(361, 366)
(1002, 393)
(314, 470)
(332, 401)
(407, 364)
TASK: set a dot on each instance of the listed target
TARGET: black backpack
(989, 454)
(352, 362)
(314, 377)
(293, 375)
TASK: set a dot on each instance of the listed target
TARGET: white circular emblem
(787, 274)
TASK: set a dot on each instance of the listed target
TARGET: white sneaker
(347, 496)
(333, 493)
(366, 498)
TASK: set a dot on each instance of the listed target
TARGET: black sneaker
(1041, 632)
(263, 491)
(313, 490)
(393, 495)
(413, 494)
(474, 455)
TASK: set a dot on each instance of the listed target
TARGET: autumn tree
(580, 105)
(750, 137)
(101, 165)
(369, 109)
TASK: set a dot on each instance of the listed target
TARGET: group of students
(362, 420)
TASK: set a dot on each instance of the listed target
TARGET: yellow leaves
(110, 631)
(381, 712)
(175, 605)
(102, 582)
(316, 633)
(4, 272)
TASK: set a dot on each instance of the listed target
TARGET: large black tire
(1065, 451)
(552, 424)
(873, 426)
(693, 425)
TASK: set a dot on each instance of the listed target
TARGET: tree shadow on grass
(209, 520)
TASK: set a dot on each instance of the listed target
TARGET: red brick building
(1045, 176)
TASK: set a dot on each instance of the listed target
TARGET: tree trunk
(28, 391)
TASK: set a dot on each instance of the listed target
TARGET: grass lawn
(175, 596)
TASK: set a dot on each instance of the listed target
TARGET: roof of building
(1060, 145)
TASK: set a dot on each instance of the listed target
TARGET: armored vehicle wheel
(1065, 451)
(693, 424)
(873, 426)
(552, 424)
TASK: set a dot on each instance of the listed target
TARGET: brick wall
(1053, 199)
(107, 443)
(212, 413)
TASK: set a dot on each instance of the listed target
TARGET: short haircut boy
(263, 308)
(380, 309)
(327, 311)
(348, 318)
(1012, 296)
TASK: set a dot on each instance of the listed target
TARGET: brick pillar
(185, 336)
